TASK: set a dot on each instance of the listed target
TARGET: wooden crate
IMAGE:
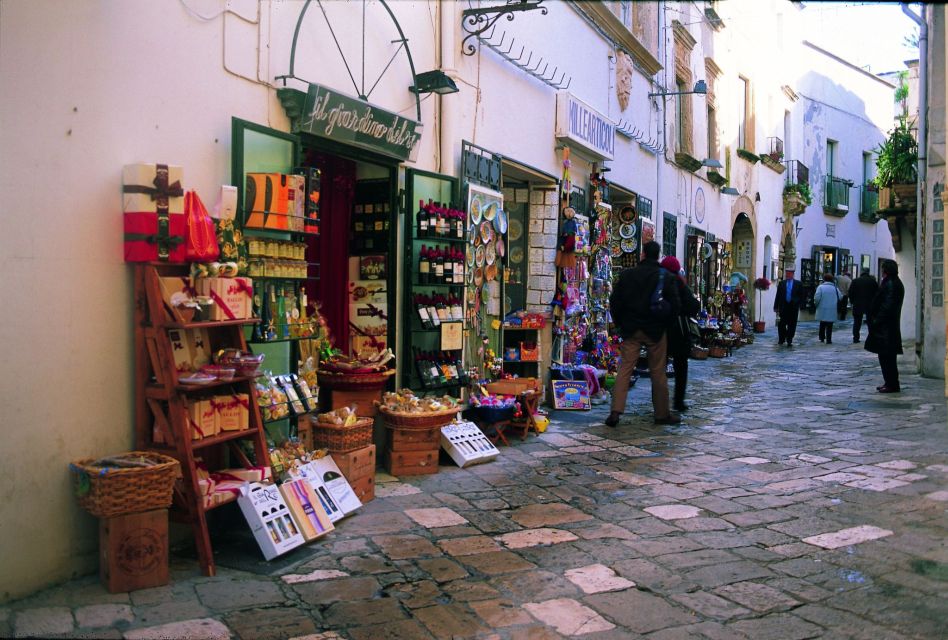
(513, 386)
(412, 463)
(133, 551)
(364, 488)
(400, 439)
(364, 400)
(305, 433)
(356, 464)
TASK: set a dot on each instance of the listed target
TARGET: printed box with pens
(467, 444)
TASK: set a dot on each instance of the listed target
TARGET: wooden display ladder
(161, 402)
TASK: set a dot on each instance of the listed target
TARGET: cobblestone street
(792, 502)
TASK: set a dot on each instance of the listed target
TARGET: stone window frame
(750, 121)
(684, 45)
(712, 73)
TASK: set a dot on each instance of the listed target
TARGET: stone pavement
(793, 502)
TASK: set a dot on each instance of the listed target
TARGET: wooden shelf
(222, 437)
(212, 324)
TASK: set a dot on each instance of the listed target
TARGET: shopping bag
(201, 242)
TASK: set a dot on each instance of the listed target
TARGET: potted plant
(761, 284)
(796, 198)
(897, 164)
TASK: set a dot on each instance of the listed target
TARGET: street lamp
(436, 81)
(700, 88)
(731, 191)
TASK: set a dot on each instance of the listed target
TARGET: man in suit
(885, 335)
(787, 304)
(861, 292)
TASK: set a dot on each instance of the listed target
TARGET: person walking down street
(843, 282)
(861, 292)
(787, 304)
(643, 303)
(827, 301)
(885, 336)
(679, 340)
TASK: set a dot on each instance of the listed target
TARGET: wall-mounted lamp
(731, 191)
(436, 81)
(700, 88)
(711, 163)
(757, 197)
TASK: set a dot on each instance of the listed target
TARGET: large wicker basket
(353, 381)
(111, 491)
(418, 420)
(339, 438)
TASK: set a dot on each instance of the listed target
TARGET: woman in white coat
(827, 298)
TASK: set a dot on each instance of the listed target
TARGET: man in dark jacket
(643, 304)
(787, 304)
(885, 335)
(861, 292)
(679, 338)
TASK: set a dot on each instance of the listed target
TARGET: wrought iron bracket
(476, 21)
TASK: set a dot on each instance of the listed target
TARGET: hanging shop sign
(341, 118)
(580, 125)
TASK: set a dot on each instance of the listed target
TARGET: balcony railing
(797, 172)
(836, 196)
(868, 204)
(775, 148)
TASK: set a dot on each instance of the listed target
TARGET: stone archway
(743, 247)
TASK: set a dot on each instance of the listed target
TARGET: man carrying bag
(643, 304)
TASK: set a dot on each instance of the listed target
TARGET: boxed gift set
(153, 213)
(269, 518)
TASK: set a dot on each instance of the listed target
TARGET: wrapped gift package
(269, 518)
(191, 348)
(233, 411)
(314, 478)
(529, 352)
(266, 201)
(252, 474)
(233, 297)
(202, 417)
(153, 212)
(306, 509)
(296, 202)
(336, 483)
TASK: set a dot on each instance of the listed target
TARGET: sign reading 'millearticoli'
(333, 115)
(580, 124)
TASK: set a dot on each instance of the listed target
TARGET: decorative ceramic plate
(472, 234)
(197, 378)
(491, 212)
(478, 277)
(627, 214)
(500, 222)
(616, 250)
(487, 232)
(480, 255)
(485, 295)
(491, 272)
(706, 251)
(516, 255)
(501, 249)
(470, 276)
(627, 230)
(476, 206)
(470, 257)
(491, 253)
(629, 245)
(516, 229)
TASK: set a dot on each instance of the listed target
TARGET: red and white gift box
(233, 297)
(233, 411)
(153, 212)
(202, 416)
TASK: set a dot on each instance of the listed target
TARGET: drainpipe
(663, 52)
(447, 109)
(920, 188)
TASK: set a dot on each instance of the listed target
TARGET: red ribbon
(220, 303)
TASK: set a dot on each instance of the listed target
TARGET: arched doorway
(742, 241)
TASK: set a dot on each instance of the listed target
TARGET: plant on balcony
(897, 162)
(801, 191)
(750, 156)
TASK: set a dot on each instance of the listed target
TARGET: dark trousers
(843, 303)
(890, 370)
(826, 331)
(680, 362)
(858, 313)
(787, 326)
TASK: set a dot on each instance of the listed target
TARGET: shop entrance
(742, 238)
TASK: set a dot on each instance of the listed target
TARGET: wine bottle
(458, 267)
(422, 312)
(424, 266)
(448, 267)
(448, 364)
(423, 373)
(438, 266)
(433, 311)
(436, 370)
(422, 217)
(457, 313)
(441, 308)
(460, 230)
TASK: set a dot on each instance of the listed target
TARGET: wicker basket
(341, 439)
(111, 491)
(717, 351)
(418, 420)
(353, 381)
(699, 353)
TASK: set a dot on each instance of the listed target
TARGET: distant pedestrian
(885, 335)
(643, 303)
(787, 304)
(861, 292)
(843, 282)
(679, 337)
(827, 301)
